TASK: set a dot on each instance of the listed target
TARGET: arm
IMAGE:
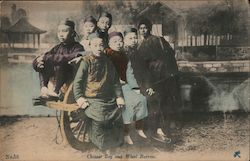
(42, 60)
(170, 60)
(37, 62)
(75, 52)
(80, 78)
(118, 92)
(142, 74)
(117, 86)
(130, 77)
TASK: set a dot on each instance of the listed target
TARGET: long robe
(135, 104)
(56, 63)
(98, 82)
(162, 76)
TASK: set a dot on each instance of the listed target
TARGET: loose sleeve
(130, 77)
(80, 80)
(34, 64)
(68, 55)
(117, 86)
(47, 57)
(142, 73)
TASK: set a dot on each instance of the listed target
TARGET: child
(88, 26)
(104, 23)
(136, 104)
(97, 90)
(54, 64)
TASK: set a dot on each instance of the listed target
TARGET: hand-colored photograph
(153, 80)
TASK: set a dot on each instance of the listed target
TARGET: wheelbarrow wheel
(74, 124)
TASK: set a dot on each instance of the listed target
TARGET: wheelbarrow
(72, 121)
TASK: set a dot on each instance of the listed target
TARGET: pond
(19, 83)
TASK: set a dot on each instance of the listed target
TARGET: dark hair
(106, 14)
(129, 30)
(146, 22)
(90, 19)
(95, 35)
(68, 22)
(71, 24)
(112, 34)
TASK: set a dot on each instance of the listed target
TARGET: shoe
(128, 140)
(141, 133)
(160, 132)
(44, 92)
(107, 152)
(52, 93)
(86, 138)
(161, 138)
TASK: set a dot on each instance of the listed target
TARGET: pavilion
(22, 31)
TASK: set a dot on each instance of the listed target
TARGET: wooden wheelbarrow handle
(62, 106)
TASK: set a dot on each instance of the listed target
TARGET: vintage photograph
(153, 80)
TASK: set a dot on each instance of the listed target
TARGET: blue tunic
(136, 104)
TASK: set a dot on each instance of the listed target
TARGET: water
(227, 101)
(220, 92)
(19, 83)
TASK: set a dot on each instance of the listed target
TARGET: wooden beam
(38, 40)
(34, 40)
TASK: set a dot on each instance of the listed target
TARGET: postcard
(93, 80)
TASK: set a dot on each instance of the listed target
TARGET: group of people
(118, 80)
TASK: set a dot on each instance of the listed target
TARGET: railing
(208, 53)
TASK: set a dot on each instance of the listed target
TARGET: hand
(40, 65)
(137, 91)
(122, 82)
(156, 65)
(75, 60)
(40, 62)
(120, 102)
(82, 102)
(150, 91)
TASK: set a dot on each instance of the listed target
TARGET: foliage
(218, 20)
(125, 11)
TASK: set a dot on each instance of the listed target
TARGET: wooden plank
(62, 106)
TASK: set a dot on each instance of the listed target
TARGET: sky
(42, 12)
(47, 14)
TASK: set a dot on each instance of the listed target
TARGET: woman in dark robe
(162, 77)
(54, 64)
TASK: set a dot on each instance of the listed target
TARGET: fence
(204, 40)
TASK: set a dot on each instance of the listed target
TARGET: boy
(54, 64)
(97, 90)
(88, 26)
(136, 103)
(104, 23)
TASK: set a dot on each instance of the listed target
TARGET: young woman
(54, 63)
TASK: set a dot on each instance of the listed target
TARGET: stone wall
(212, 53)
(214, 66)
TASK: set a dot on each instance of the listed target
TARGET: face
(104, 23)
(143, 30)
(116, 43)
(97, 46)
(130, 39)
(64, 33)
(88, 28)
